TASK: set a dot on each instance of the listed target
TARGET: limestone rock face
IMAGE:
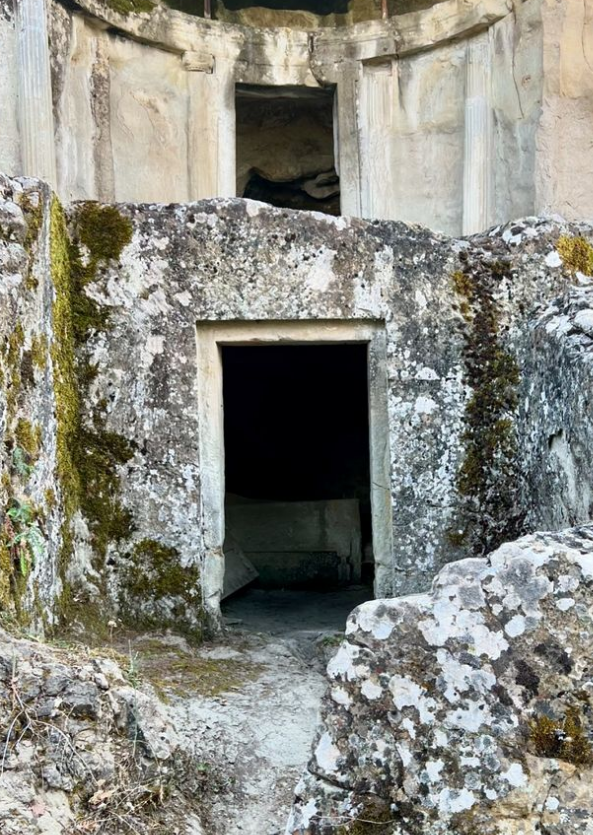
(82, 749)
(27, 407)
(467, 709)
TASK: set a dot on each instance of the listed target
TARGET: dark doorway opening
(285, 147)
(296, 430)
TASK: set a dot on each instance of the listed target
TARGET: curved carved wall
(444, 116)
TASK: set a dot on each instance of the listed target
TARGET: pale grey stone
(439, 728)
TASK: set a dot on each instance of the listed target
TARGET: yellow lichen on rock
(576, 253)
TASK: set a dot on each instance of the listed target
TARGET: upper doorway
(319, 7)
(286, 147)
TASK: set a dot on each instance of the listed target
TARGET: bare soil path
(250, 704)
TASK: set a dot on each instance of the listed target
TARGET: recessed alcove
(319, 7)
(286, 147)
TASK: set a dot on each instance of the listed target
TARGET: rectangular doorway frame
(211, 337)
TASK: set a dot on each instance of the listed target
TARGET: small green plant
(23, 536)
(133, 673)
(20, 464)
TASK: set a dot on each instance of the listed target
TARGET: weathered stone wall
(240, 261)
(121, 115)
(487, 363)
(412, 130)
(461, 481)
(466, 709)
(567, 103)
(30, 501)
(517, 78)
(556, 354)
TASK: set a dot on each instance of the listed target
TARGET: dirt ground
(250, 704)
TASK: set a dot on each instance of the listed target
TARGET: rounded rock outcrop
(467, 709)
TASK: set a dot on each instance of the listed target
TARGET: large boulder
(465, 710)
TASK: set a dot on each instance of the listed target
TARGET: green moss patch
(101, 233)
(473, 822)
(103, 230)
(21, 540)
(6, 572)
(88, 455)
(159, 592)
(50, 498)
(63, 353)
(34, 217)
(375, 818)
(12, 355)
(98, 454)
(39, 352)
(178, 672)
(488, 478)
(28, 438)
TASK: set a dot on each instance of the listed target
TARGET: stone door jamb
(211, 337)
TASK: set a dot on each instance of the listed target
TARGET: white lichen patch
(515, 626)
(365, 617)
(343, 664)
(425, 405)
(454, 801)
(459, 678)
(565, 603)
(407, 693)
(450, 622)
(515, 775)
(553, 259)
(327, 754)
(371, 690)
(341, 696)
(433, 770)
(405, 753)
